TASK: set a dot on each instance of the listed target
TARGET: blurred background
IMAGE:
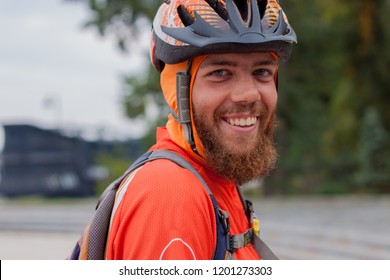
(79, 101)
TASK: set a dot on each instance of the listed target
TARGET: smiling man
(234, 100)
(219, 64)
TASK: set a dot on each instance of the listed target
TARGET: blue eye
(262, 72)
(219, 72)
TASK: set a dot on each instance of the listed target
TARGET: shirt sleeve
(165, 213)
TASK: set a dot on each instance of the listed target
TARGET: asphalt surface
(295, 228)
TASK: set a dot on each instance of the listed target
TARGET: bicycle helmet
(183, 29)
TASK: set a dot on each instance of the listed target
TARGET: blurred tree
(115, 163)
(123, 18)
(363, 84)
(128, 20)
(338, 70)
(373, 154)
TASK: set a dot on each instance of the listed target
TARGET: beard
(227, 159)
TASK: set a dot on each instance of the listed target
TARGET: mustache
(255, 108)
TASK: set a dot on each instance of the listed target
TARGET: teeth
(242, 121)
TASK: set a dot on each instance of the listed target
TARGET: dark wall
(38, 161)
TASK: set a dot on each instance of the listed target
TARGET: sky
(56, 74)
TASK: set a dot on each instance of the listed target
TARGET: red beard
(257, 161)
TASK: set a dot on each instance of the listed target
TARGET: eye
(219, 73)
(264, 74)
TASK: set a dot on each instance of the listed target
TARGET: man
(219, 64)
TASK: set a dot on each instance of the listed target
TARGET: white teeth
(242, 121)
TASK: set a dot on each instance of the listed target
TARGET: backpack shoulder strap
(101, 221)
(262, 249)
(93, 241)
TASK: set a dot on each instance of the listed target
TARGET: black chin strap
(183, 83)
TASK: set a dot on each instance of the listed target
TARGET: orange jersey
(164, 212)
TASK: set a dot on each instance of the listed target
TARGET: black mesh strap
(164, 154)
(99, 227)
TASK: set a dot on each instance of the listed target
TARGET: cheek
(270, 98)
(206, 100)
(196, 102)
(202, 109)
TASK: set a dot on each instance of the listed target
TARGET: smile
(242, 122)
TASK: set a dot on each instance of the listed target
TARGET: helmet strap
(183, 81)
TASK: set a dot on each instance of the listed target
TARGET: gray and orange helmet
(183, 29)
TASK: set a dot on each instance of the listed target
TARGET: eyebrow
(266, 61)
(224, 62)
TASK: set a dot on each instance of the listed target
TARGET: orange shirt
(164, 212)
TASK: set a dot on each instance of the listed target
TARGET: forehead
(245, 59)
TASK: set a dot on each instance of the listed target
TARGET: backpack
(92, 243)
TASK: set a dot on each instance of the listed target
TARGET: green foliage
(126, 19)
(337, 71)
(123, 18)
(373, 154)
(116, 163)
(143, 95)
(334, 120)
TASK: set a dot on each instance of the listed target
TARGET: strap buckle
(238, 241)
(224, 216)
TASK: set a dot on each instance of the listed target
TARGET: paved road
(295, 228)
(317, 228)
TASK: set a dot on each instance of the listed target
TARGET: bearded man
(219, 66)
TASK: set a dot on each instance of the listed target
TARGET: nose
(245, 91)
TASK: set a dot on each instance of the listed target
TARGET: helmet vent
(185, 16)
(218, 8)
(262, 6)
(201, 32)
(242, 6)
